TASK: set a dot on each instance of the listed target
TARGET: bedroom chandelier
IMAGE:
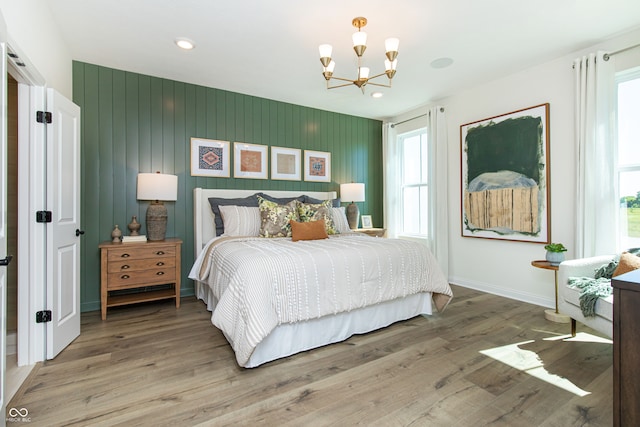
(359, 46)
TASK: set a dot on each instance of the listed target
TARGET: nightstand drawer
(137, 278)
(139, 252)
(123, 266)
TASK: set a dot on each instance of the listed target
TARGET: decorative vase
(134, 226)
(555, 258)
(116, 235)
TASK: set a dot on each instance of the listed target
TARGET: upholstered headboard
(203, 225)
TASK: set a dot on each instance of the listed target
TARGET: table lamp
(158, 188)
(353, 192)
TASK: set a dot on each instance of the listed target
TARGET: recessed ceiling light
(185, 44)
(441, 62)
(376, 95)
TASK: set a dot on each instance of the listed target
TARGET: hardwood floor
(486, 360)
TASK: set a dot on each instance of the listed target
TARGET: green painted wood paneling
(134, 123)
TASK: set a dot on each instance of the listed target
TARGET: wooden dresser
(626, 349)
(136, 266)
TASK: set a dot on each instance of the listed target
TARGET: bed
(273, 297)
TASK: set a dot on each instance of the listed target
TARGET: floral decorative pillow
(315, 212)
(274, 218)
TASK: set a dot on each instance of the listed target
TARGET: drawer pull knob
(159, 273)
(160, 253)
(160, 263)
(125, 255)
(125, 267)
(124, 276)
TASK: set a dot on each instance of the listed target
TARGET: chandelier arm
(377, 84)
(378, 75)
(344, 85)
(342, 79)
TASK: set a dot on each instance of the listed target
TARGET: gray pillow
(215, 202)
(280, 200)
(334, 202)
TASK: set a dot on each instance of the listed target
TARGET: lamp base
(353, 215)
(156, 221)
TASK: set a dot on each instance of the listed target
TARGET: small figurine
(116, 235)
(134, 226)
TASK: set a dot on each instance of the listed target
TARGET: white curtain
(438, 203)
(596, 222)
(391, 180)
(438, 212)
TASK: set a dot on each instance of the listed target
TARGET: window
(415, 182)
(628, 165)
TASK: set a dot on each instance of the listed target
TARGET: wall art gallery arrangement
(505, 176)
(213, 158)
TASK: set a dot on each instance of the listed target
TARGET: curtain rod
(607, 55)
(413, 118)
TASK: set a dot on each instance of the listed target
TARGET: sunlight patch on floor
(528, 362)
(581, 337)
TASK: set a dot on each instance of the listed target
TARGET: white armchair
(568, 298)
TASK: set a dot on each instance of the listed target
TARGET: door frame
(32, 273)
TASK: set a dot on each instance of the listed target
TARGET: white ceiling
(269, 49)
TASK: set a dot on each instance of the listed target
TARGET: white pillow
(240, 220)
(340, 220)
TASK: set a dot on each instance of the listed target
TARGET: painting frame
(366, 221)
(250, 160)
(505, 176)
(317, 166)
(286, 163)
(210, 157)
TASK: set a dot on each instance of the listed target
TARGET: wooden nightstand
(137, 265)
(375, 232)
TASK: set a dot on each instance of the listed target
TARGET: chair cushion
(604, 306)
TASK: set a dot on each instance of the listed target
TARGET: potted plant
(555, 253)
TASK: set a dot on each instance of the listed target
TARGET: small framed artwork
(366, 221)
(317, 166)
(210, 157)
(285, 163)
(250, 160)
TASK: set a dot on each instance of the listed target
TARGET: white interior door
(3, 216)
(64, 233)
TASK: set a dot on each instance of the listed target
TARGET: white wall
(504, 267)
(36, 38)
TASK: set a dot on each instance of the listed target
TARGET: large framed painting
(210, 157)
(285, 163)
(317, 166)
(250, 160)
(505, 176)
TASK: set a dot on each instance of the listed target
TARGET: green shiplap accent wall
(135, 123)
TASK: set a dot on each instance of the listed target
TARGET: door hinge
(43, 316)
(43, 117)
(43, 216)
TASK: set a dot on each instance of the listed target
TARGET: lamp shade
(352, 192)
(157, 186)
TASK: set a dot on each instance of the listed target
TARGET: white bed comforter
(260, 283)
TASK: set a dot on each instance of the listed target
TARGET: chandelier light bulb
(325, 50)
(359, 38)
(330, 67)
(391, 44)
(363, 73)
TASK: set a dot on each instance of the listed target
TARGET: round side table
(552, 315)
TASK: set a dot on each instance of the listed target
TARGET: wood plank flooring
(486, 360)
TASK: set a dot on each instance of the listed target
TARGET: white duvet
(260, 283)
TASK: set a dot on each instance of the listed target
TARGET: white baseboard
(507, 293)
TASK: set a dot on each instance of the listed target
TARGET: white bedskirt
(291, 338)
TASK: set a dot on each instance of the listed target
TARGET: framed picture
(250, 160)
(505, 176)
(317, 166)
(366, 221)
(285, 163)
(210, 157)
